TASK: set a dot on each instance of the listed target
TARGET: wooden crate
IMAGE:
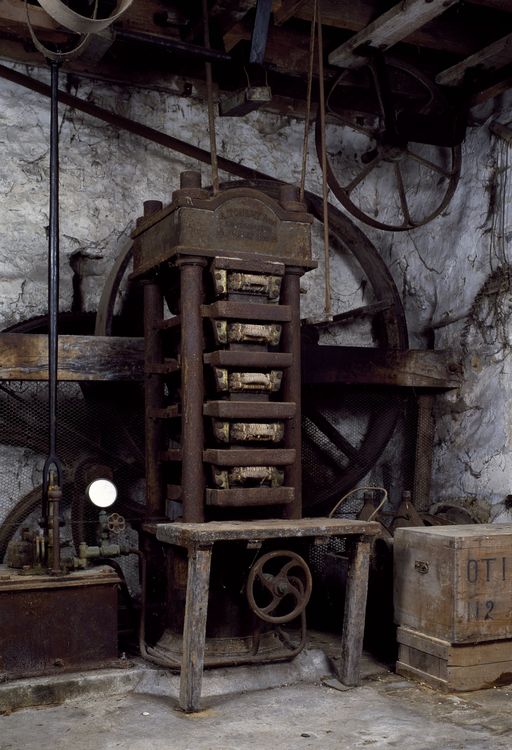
(453, 667)
(455, 582)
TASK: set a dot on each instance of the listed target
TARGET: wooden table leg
(194, 628)
(355, 609)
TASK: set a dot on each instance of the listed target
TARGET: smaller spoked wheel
(391, 147)
(279, 586)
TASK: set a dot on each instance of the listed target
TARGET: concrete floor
(384, 712)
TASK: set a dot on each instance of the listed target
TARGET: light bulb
(102, 493)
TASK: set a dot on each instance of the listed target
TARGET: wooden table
(199, 538)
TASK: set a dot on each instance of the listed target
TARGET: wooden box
(454, 583)
(453, 667)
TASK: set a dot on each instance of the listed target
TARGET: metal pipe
(54, 497)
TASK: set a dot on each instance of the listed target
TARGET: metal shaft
(53, 258)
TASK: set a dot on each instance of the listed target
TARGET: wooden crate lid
(459, 536)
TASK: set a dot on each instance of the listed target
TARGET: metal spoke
(332, 433)
(361, 176)
(262, 578)
(429, 164)
(401, 193)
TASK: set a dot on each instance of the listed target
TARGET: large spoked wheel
(417, 179)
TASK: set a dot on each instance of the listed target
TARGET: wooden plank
(185, 534)
(249, 409)
(461, 38)
(249, 497)
(247, 311)
(355, 610)
(252, 360)
(502, 131)
(490, 92)
(495, 56)
(249, 456)
(194, 628)
(387, 30)
(24, 356)
(415, 368)
(286, 10)
(451, 666)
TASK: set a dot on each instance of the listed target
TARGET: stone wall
(453, 273)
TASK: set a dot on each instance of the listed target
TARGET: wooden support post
(194, 628)
(355, 609)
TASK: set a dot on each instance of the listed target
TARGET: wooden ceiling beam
(462, 38)
(493, 57)
(387, 30)
(286, 10)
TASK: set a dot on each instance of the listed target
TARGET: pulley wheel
(279, 587)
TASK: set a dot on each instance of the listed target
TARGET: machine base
(52, 624)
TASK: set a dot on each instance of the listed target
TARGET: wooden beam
(502, 131)
(494, 56)
(491, 92)
(286, 10)
(387, 30)
(341, 365)
(461, 38)
(24, 356)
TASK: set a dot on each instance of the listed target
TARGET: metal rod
(174, 45)
(53, 257)
(124, 123)
(211, 111)
(51, 470)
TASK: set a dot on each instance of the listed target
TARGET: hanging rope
(211, 111)
(325, 190)
(308, 103)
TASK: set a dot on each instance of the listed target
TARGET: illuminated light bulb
(102, 493)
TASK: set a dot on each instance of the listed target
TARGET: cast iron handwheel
(116, 523)
(375, 152)
(281, 586)
(386, 315)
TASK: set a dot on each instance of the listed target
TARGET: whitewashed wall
(440, 268)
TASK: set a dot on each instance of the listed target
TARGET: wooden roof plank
(388, 29)
(494, 56)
